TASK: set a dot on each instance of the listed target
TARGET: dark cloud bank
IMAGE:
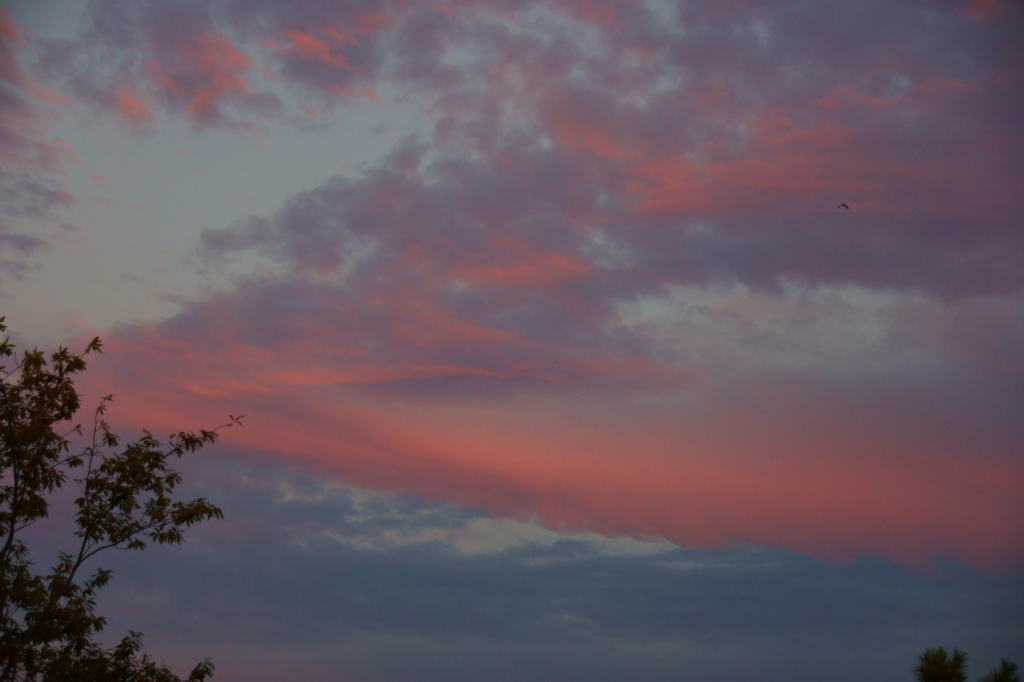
(302, 575)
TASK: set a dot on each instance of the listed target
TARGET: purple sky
(558, 360)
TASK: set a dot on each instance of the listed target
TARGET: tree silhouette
(935, 664)
(48, 621)
(1006, 672)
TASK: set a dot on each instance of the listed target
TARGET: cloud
(28, 191)
(674, 118)
(611, 288)
(571, 239)
(605, 302)
(132, 109)
(743, 185)
(900, 442)
(210, 69)
(127, 60)
(303, 567)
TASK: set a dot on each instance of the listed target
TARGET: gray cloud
(783, 110)
(301, 564)
(28, 191)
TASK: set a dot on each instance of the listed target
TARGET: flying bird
(843, 206)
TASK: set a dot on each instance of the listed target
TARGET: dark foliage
(1006, 672)
(935, 664)
(48, 620)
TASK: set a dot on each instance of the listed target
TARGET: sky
(557, 358)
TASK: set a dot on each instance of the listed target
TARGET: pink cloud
(210, 68)
(8, 31)
(579, 136)
(338, 38)
(132, 108)
(30, 194)
(704, 469)
(517, 264)
(312, 48)
(449, 322)
(372, 21)
(781, 160)
(49, 97)
(983, 8)
(598, 13)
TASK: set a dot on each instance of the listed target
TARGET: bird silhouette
(843, 206)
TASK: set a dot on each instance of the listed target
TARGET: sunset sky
(557, 358)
